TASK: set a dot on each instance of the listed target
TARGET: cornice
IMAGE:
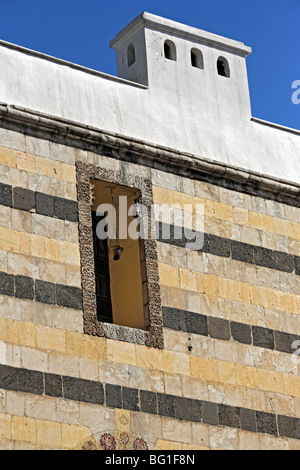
(144, 153)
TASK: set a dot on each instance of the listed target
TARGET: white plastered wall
(191, 110)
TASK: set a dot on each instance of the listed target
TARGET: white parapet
(177, 86)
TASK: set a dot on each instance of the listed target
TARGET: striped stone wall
(227, 376)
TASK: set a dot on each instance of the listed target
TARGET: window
(197, 59)
(223, 67)
(130, 55)
(119, 274)
(170, 50)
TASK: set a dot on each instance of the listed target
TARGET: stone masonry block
(24, 199)
(68, 296)
(7, 284)
(187, 409)
(5, 195)
(248, 420)
(53, 385)
(284, 341)
(83, 390)
(130, 399)
(45, 292)
(148, 402)
(8, 377)
(209, 413)
(297, 265)
(263, 337)
(24, 287)
(166, 405)
(30, 381)
(241, 332)
(242, 252)
(266, 423)
(196, 323)
(218, 328)
(289, 427)
(44, 204)
(113, 395)
(229, 416)
(66, 209)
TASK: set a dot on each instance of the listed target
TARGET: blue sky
(79, 31)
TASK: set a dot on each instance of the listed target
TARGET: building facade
(185, 338)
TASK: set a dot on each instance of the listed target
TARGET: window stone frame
(153, 335)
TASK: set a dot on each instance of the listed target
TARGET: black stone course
(219, 246)
(174, 319)
(205, 247)
(43, 204)
(24, 287)
(272, 259)
(219, 328)
(181, 408)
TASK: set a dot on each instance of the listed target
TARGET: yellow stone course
(228, 213)
(36, 164)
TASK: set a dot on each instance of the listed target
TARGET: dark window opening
(170, 50)
(223, 67)
(197, 59)
(134, 300)
(102, 277)
(130, 55)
